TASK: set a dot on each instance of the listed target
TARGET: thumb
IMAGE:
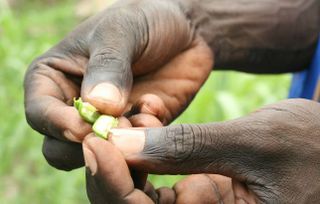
(108, 177)
(107, 82)
(106, 88)
(230, 148)
(168, 150)
(113, 46)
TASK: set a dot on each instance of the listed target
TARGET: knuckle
(108, 57)
(179, 143)
(291, 114)
(183, 139)
(161, 143)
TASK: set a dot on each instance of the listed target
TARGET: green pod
(103, 125)
(87, 111)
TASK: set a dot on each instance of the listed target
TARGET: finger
(166, 196)
(229, 148)
(198, 189)
(163, 195)
(242, 194)
(62, 155)
(113, 47)
(139, 178)
(151, 192)
(124, 122)
(142, 120)
(224, 186)
(107, 182)
(145, 120)
(48, 99)
(175, 84)
(175, 149)
(149, 104)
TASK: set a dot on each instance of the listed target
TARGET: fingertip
(75, 128)
(107, 98)
(92, 142)
(65, 123)
(153, 105)
(70, 136)
(128, 141)
(145, 120)
(166, 195)
(123, 122)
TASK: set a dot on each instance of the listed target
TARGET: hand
(272, 155)
(110, 183)
(139, 57)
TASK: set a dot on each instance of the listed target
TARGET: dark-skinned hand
(110, 183)
(271, 156)
(140, 58)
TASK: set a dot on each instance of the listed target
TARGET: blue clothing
(304, 83)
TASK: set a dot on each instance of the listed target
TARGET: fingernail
(70, 136)
(106, 91)
(129, 141)
(90, 160)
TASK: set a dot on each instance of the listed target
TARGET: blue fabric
(304, 83)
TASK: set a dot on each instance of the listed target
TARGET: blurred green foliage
(32, 28)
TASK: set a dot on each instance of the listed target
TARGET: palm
(174, 84)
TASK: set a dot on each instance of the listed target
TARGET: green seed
(87, 111)
(103, 125)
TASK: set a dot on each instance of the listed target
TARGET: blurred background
(29, 28)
